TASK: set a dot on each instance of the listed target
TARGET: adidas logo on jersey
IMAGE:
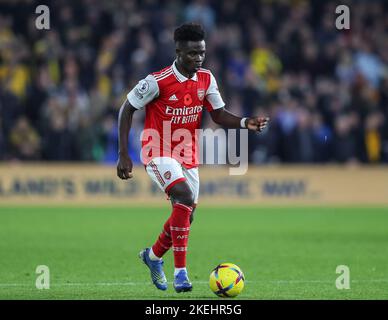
(173, 98)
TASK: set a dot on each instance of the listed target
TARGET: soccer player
(173, 99)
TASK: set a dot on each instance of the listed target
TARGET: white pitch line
(86, 284)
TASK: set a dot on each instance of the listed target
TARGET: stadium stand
(325, 90)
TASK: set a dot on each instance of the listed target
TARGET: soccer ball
(226, 280)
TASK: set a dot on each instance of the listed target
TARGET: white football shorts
(166, 172)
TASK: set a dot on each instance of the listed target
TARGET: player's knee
(181, 193)
(186, 198)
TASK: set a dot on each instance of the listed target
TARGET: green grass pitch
(285, 253)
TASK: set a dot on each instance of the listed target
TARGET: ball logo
(167, 175)
(187, 100)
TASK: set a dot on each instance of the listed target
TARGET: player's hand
(257, 123)
(124, 167)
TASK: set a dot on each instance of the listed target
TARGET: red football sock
(164, 242)
(180, 228)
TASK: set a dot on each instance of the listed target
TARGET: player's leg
(165, 172)
(192, 213)
(183, 200)
(163, 243)
(192, 181)
(181, 280)
(192, 178)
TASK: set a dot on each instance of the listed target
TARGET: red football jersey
(174, 106)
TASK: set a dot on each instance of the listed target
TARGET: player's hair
(189, 32)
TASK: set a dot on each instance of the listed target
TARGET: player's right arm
(142, 94)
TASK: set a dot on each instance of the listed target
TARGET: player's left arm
(223, 117)
(226, 119)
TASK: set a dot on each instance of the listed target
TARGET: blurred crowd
(325, 90)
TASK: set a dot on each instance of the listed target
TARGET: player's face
(190, 55)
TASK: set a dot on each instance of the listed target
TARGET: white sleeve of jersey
(144, 92)
(213, 95)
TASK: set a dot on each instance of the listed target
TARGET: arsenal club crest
(167, 175)
(201, 94)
